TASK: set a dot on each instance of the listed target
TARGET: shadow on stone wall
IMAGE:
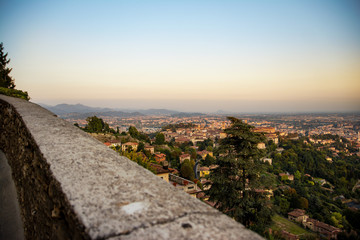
(70, 186)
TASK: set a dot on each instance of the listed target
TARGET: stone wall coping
(112, 196)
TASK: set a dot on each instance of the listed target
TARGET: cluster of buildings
(213, 128)
(324, 230)
(329, 144)
(170, 175)
(343, 130)
(150, 124)
(196, 134)
(301, 124)
(269, 132)
(162, 169)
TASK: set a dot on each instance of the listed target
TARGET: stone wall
(70, 186)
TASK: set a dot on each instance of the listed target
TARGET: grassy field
(281, 223)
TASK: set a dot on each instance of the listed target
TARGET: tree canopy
(134, 133)
(159, 139)
(5, 80)
(187, 170)
(7, 84)
(235, 182)
(96, 125)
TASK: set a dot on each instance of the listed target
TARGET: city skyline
(238, 56)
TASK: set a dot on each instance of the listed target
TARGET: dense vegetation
(97, 125)
(236, 180)
(7, 83)
(14, 93)
(134, 133)
(318, 184)
(323, 174)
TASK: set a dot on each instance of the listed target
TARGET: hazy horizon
(239, 56)
(184, 108)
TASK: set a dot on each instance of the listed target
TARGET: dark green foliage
(341, 175)
(236, 180)
(139, 158)
(134, 133)
(205, 144)
(172, 155)
(143, 137)
(209, 160)
(185, 146)
(343, 172)
(293, 198)
(14, 93)
(193, 153)
(5, 80)
(141, 147)
(187, 170)
(159, 139)
(284, 205)
(96, 125)
(302, 203)
(7, 85)
(353, 218)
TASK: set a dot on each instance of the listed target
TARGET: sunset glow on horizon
(241, 56)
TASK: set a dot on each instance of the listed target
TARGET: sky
(189, 55)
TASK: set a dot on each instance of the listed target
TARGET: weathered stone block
(70, 186)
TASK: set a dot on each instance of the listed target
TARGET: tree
(303, 203)
(284, 205)
(297, 175)
(7, 85)
(187, 171)
(284, 178)
(141, 147)
(236, 179)
(337, 219)
(96, 125)
(5, 80)
(159, 139)
(133, 132)
(139, 158)
(209, 160)
(193, 153)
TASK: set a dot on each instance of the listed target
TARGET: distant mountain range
(184, 114)
(118, 114)
(62, 109)
(81, 111)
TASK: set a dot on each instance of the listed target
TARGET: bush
(14, 93)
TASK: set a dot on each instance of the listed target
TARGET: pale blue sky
(241, 56)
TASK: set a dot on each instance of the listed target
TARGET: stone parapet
(70, 186)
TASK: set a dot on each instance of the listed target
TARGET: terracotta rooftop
(204, 168)
(131, 143)
(326, 227)
(297, 213)
(159, 169)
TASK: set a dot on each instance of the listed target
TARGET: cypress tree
(235, 182)
(5, 80)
